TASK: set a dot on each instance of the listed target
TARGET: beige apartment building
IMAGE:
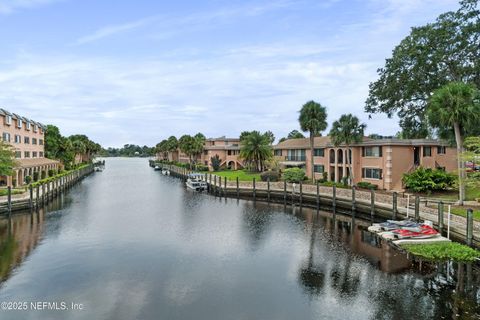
(27, 140)
(227, 149)
(381, 162)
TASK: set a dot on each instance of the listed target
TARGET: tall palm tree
(256, 150)
(455, 105)
(313, 118)
(347, 130)
(186, 145)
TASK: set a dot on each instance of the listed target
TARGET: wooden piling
(30, 188)
(394, 205)
(469, 226)
(372, 204)
(9, 199)
(301, 193)
(285, 192)
(238, 189)
(268, 189)
(318, 196)
(334, 197)
(354, 203)
(254, 190)
(417, 208)
(440, 216)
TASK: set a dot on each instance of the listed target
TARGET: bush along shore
(443, 251)
(43, 191)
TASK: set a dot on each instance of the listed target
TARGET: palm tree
(186, 145)
(455, 105)
(347, 130)
(313, 118)
(256, 150)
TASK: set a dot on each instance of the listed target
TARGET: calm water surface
(129, 243)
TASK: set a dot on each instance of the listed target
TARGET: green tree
(256, 150)
(313, 118)
(186, 144)
(347, 130)
(53, 141)
(455, 106)
(244, 134)
(270, 136)
(162, 148)
(295, 134)
(172, 144)
(7, 159)
(429, 57)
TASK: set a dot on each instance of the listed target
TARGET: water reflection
(156, 250)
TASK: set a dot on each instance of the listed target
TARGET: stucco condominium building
(381, 162)
(227, 149)
(27, 140)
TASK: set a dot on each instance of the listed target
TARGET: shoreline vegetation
(443, 251)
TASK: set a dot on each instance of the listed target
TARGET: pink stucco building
(27, 140)
(381, 162)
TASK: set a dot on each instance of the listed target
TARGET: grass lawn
(471, 194)
(241, 174)
(463, 212)
(4, 192)
(443, 251)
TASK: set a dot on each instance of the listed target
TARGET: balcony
(295, 158)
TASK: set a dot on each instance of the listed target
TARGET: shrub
(367, 185)
(14, 182)
(272, 175)
(43, 175)
(202, 167)
(427, 180)
(28, 179)
(294, 175)
(345, 181)
(35, 176)
(215, 160)
(51, 172)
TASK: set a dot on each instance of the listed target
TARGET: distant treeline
(129, 150)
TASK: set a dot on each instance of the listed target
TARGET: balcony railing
(295, 158)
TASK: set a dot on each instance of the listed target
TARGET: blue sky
(138, 71)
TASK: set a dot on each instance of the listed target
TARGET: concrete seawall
(43, 193)
(368, 205)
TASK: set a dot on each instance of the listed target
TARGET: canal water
(129, 243)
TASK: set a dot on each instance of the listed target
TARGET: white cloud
(9, 6)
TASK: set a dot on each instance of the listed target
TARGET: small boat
(98, 169)
(165, 172)
(196, 185)
(194, 182)
(157, 168)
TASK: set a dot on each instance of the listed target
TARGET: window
(26, 140)
(27, 125)
(40, 142)
(34, 140)
(319, 152)
(229, 152)
(35, 128)
(277, 152)
(205, 152)
(371, 151)
(26, 154)
(34, 154)
(18, 139)
(319, 168)
(18, 154)
(8, 120)
(427, 151)
(6, 137)
(19, 123)
(40, 154)
(372, 173)
(441, 150)
(296, 155)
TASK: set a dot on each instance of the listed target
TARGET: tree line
(66, 149)
(128, 150)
